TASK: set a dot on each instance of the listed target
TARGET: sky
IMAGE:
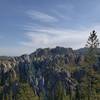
(26, 25)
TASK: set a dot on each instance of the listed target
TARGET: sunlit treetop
(93, 41)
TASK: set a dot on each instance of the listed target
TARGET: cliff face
(58, 58)
(41, 59)
(25, 67)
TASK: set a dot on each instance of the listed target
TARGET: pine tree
(59, 93)
(90, 60)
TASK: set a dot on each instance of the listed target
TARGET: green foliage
(26, 93)
(1, 93)
(59, 93)
(90, 59)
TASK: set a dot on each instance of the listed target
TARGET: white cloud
(41, 16)
(43, 37)
(50, 37)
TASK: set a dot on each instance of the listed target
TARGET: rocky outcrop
(55, 58)
(42, 67)
(42, 59)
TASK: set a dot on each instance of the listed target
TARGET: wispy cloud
(58, 23)
(61, 15)
(41, 16)
(43, 36)
(63, 11)
(51, 37)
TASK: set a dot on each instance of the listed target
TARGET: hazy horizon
(37, 49)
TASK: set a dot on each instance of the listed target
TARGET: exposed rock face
(38, 62)
(7, 67)
(41, 59)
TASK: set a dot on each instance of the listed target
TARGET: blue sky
(26, 25)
